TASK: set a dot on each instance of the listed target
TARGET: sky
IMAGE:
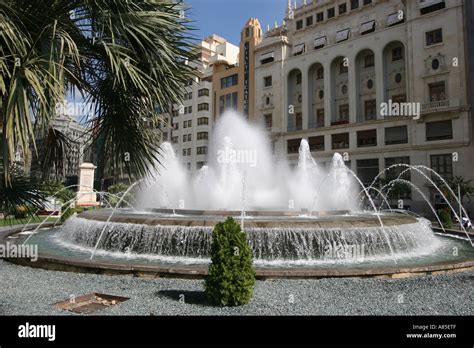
(226, 18)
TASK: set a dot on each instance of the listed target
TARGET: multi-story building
(233, 83)
(334, 68)
(193, 120)
(75, 133)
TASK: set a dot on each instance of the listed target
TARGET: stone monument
(86, 196)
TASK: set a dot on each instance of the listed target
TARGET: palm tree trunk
(4, 144)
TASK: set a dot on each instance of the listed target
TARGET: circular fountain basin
(165, 242)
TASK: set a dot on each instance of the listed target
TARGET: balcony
(435, 105)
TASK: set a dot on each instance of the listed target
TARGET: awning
(342, 35)
(320, 42)
(298, 49)
(426, 3)
(367, 26)
(395, 18)
(267, 55)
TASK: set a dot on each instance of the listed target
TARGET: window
(174, 140)
(267, 81)
(443, 165)
(401, 98)
(397, 53)
(340, 141)
(395, 18)
(369, 61)
(367, 27)
(367, 138)
(342, 8)
(342, 35)
(199, 165)
(309, 21)
(434, 37)
(440, 130)
(400, 192)
(201, 150)
(202, 135)
(298, 79)
(299, 24)
(268, 121)
(229, 81)
(396, 135)
(319, 17)
(428, 6)
(299, 49)
(268, 57)
(316, 143)
(370, 109)
(320, 118)
(331, 12)
(344, 112)
(203, 121)
(367, 170)
(437, 91)
(320, 74)
(186, 138)
(354, 4)
(203, 92)
(299, 121)
(203, 106)
(320, 42)
(184, 153)
(293, 145)
(228, 101)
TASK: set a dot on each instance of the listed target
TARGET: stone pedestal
(86, 196)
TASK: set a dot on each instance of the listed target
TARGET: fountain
(300, 221)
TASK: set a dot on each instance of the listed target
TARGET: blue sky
(226, 18)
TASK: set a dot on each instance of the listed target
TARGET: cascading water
(269, 245)
(292, 215)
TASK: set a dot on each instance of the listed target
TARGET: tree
(465, 187)
(231, 275)
(126, 58)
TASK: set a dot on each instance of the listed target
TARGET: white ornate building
(326, 73)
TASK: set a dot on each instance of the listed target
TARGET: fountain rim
(56, 263)
(262, 219)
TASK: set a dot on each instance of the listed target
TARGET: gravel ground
(28, 291)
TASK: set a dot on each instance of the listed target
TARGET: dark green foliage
(231, 275)
(123, 58)
(21, 197)
(445, 218)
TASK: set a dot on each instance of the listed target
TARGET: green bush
(445, 218)
(231, 275)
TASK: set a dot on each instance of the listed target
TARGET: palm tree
(124, 57)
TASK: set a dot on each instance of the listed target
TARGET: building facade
(191, 122)
(381, 81)
(233, 82)
(75, 133)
